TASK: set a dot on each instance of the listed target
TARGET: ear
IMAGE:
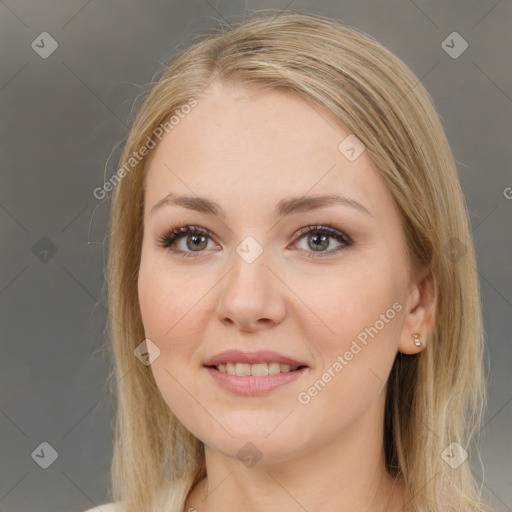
(419, 314)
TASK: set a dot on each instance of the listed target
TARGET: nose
(251, 297)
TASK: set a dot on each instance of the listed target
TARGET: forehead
(241, 146)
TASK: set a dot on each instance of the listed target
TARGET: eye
(195, 238)
(317, 239)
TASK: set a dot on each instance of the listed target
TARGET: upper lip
(259, 356)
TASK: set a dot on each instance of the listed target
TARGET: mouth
(254, 385)
(253, 373)
(261, 369)
(254, 379)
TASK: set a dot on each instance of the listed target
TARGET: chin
(273, 437)
(251, 450)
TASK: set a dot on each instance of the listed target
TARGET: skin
(248, 150)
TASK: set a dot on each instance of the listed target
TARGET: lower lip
(251, 385)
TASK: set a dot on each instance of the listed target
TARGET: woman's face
(334, 300)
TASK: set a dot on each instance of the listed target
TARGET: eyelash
(168, 239)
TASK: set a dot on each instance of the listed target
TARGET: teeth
(243, 369)
(257, 369)
(274, 368)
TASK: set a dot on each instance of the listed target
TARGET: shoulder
(107, 507)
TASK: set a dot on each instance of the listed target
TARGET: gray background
(61, 119)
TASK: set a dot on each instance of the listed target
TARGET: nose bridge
(249, 277)
(248, 293)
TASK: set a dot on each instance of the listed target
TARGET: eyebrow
(284, 207)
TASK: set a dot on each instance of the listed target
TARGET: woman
(294, 302)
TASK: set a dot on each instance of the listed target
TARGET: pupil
(323, 238)
(197, 240)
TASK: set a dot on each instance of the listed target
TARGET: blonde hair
(433, 398)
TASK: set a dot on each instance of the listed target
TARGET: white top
(107, 507)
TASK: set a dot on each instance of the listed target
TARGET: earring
(417, 340)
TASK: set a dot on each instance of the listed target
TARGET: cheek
(173, 318)
(169, 300)
(346, 303)
(355, 361)
(357, 338)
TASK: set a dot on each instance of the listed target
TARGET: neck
(344, 474)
